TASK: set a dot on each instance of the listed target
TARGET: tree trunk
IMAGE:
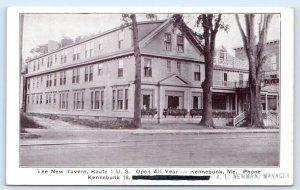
(207, 117)
(256, 58)
(255, 107)
(137, 82)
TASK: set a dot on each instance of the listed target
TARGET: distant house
(271, 74)
(95, 77)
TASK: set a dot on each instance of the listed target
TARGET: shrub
(151, 111)
(175, 112)
(26, 122)
(196, 112)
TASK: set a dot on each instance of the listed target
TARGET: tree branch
(187, 32)
(241, 31)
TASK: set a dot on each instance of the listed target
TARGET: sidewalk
(60, 132)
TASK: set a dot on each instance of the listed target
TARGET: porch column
(277, 105)
(158, 104)
(236, 103)
(266, 103)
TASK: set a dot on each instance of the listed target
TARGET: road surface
(158, 150)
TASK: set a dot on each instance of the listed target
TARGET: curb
(53, 143)
(204, 131)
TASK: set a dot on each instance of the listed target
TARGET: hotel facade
(95, 77)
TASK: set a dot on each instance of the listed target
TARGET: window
(63, 57)
(28, 83)
(42, 61)
(47, 83)
(54, 98)
(147, 67)
(38, 66)
(42, 80)
(75, 77)
(147, 99)
(37, 99)
(50, 61)
(32, 99)
(54, 80)
(120, 100)
(33, 83)
(222, 55)
(50, 97)
(179, 67)
(225, 76)
(169, 69)
(91, 73)
(34, 66)
(50, 80)
(28, 99)
(97, 99)
(197, 73)
(29, 67)
(274, 66)
(41, 98)
(120, 68)
(79, 100)
(55, 58)
(89, 49)
(126, 99)
(100, 69)
(167, 42)
(76, 53)
(88, 73)
(225, 79)
(121, 39)
(180, 43)
(37, 82)
(62, 80)
(197, 100)
(47, 98)
(100, 44)
(63, 100)
(114, 99)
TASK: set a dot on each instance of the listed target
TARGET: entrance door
(146, 101)
(173, 102)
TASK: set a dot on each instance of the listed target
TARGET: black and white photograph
(189, 96)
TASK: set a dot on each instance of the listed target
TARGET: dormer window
(76, 53)
(89, 49)
(167, 42)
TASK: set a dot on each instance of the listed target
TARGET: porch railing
(230, 84)
(239, 118)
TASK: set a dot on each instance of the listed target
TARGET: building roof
(267, 43)
(96, 36)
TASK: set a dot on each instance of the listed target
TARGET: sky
(40, 28)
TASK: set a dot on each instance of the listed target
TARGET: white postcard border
(30, 176)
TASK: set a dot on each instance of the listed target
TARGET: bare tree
(204, 40)
(256, 58)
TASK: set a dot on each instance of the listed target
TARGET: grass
(26, 122)
(114, 124)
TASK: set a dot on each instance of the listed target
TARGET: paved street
(126, 148)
